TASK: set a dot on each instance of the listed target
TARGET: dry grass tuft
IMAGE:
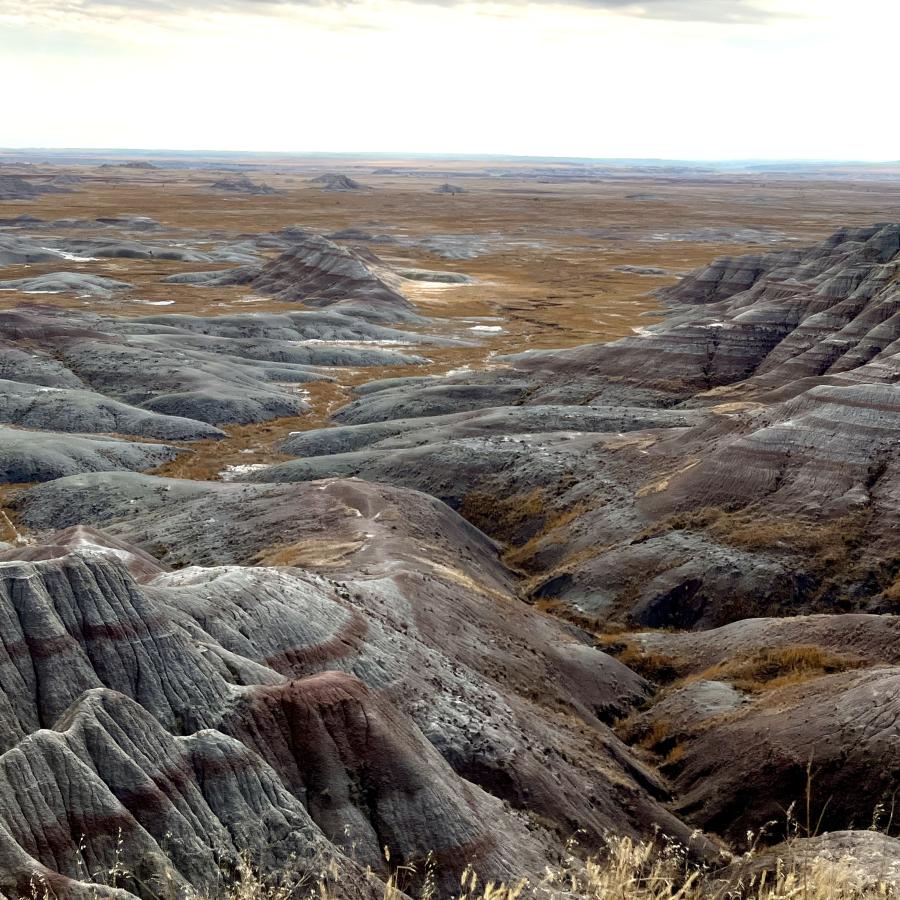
(628, 870)
(504, 517)
(523, 558)
(653, 665)
(829, 544)
(775, 667)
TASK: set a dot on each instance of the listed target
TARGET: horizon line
(447, 155)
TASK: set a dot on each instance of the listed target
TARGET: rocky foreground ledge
(180, 718)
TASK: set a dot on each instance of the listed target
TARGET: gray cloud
(720, 11)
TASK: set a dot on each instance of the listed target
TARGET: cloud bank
(716, 11)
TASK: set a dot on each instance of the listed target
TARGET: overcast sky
(688, 79)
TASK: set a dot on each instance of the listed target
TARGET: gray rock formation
(29, 456)
(214, 710)
(440, 397)
(13, 187)
(360, 236)
(868, 860)
(16, 250)
(313, 327)
(83, 538)
(242, 185)
(430, 275)
(319, 272)
(641, 270)
(871, 638)
(496, 421)
(129, 222)
(124, 248)
(332, 181)
(756, 508)
(59, 409)
(77, 283)
(211, 371)
(323, 657)
(841, 729)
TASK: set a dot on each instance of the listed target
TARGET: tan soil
(556, 288)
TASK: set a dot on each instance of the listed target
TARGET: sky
(674, 79)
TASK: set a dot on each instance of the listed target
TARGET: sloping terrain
(744, 449)
(321, 273)
(228, 705)
(458, 601)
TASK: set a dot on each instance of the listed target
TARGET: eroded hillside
(433, 524)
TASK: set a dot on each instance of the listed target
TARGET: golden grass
(626, 870)
(504, 517)
(759, 670)
(560, 609)
(831, 542)
(12, 530)
(775, 667)
(523, 558)
(653, 665)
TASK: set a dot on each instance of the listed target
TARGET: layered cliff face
(169, 724)
(320, 272)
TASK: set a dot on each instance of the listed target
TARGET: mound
(242, 185)
(68, 282)
(331, 181)
(16, 250)
(29, 456)
(839, 730)
(59, 409)
(320, 273)
(171, 371)
(12, 187)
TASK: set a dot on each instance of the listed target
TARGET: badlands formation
(452, 521)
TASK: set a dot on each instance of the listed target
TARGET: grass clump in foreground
(628, 870)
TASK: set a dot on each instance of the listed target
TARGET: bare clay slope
(738, 460)
(391, 700)
(728, 462)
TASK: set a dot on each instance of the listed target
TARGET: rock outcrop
(67, 282)
(210, 711)
(29, 456)
(831, 742)
(13, 187)
(319, 272)
(332, 181)
(174, 377)
(242, 185)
